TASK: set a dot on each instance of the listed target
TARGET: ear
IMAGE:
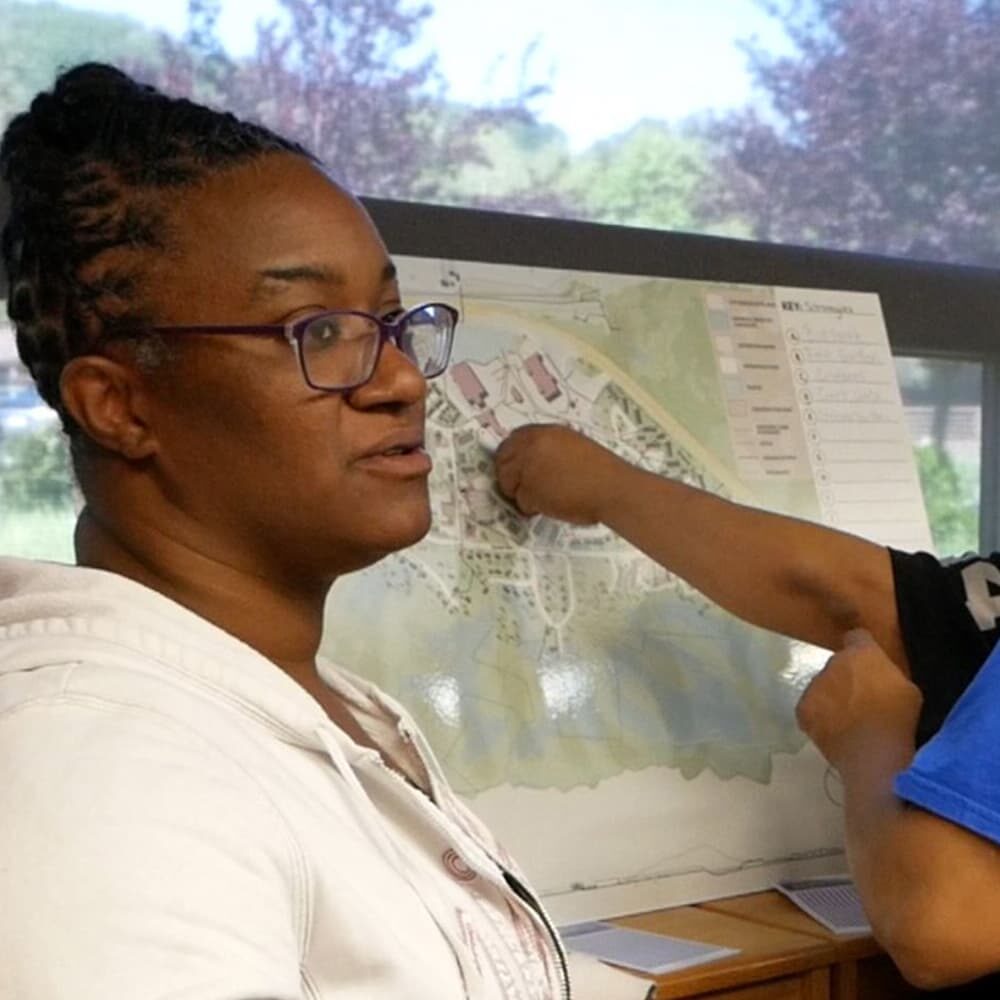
(108, 401)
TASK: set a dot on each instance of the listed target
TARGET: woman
(188, 810)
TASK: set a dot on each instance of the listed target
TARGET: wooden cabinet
(808, 986)
(783, 954)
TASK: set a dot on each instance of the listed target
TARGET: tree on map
(348, 79)
(883, 132)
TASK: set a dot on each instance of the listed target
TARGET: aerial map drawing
(554, 666)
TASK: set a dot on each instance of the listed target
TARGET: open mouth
(401, 460)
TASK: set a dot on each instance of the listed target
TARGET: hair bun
(95, 82)
(73, 114)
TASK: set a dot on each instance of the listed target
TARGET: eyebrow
(309, 273)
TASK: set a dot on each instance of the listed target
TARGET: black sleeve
(948, 616)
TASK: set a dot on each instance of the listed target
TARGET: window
(850, 125)
(944, 409)
(37, 492)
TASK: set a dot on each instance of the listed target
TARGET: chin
(408, 533)
(392, 537)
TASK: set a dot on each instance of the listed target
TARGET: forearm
(929, 887)
(883, 858)
(791, 576)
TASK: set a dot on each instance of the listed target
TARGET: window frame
(933, 310)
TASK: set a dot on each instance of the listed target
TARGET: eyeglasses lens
(426, 339)
(341, 349)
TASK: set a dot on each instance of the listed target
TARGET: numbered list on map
(811, 393)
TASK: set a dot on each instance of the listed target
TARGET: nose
(396, 382)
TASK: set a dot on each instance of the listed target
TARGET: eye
(392, 315)
(324, 331)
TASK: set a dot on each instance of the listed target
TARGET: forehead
(276, 213)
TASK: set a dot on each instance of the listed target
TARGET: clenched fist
(553, 470)
(859, 699)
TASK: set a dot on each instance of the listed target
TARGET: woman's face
(266, 471)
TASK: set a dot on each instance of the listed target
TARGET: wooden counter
(784, 954)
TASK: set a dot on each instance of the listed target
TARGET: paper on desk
(640, 950)
(833, 900)
(591, 979)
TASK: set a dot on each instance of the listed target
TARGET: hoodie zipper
(434, 814)
(372, 822)
(416, 740)
(526, 896)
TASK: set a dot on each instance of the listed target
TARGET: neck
(279, 618)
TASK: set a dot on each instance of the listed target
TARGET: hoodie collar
(52, 612)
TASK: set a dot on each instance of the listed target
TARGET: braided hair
(91, 169)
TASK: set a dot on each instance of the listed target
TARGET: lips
(399, 443)
(399, 455)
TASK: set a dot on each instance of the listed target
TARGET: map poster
(633, 745)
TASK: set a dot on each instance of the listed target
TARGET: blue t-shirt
(956, 774)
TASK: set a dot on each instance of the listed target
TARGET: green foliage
(521, 166)
(648, 176)
(951, 495)
(46, 533)
(343, 77)
(38, 39)
(35, 471)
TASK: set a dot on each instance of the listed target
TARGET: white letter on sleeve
(983, 606)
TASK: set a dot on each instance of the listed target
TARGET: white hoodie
(179, 819)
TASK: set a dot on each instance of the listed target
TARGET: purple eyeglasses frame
(389, 330)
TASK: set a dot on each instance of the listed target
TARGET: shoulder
(96, 749)
(921, 570)
(132, 835)
(941, 596)
(110, 753)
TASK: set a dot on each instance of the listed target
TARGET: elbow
(922, 942)
(925, 971)
(929, 971)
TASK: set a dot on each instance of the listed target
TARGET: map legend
(811, 394)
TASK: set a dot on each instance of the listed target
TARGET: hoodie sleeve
(138, 861)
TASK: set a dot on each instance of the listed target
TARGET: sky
(607, 63)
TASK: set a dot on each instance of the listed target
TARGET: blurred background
(862, 125)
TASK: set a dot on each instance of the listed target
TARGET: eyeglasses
(339, 350)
